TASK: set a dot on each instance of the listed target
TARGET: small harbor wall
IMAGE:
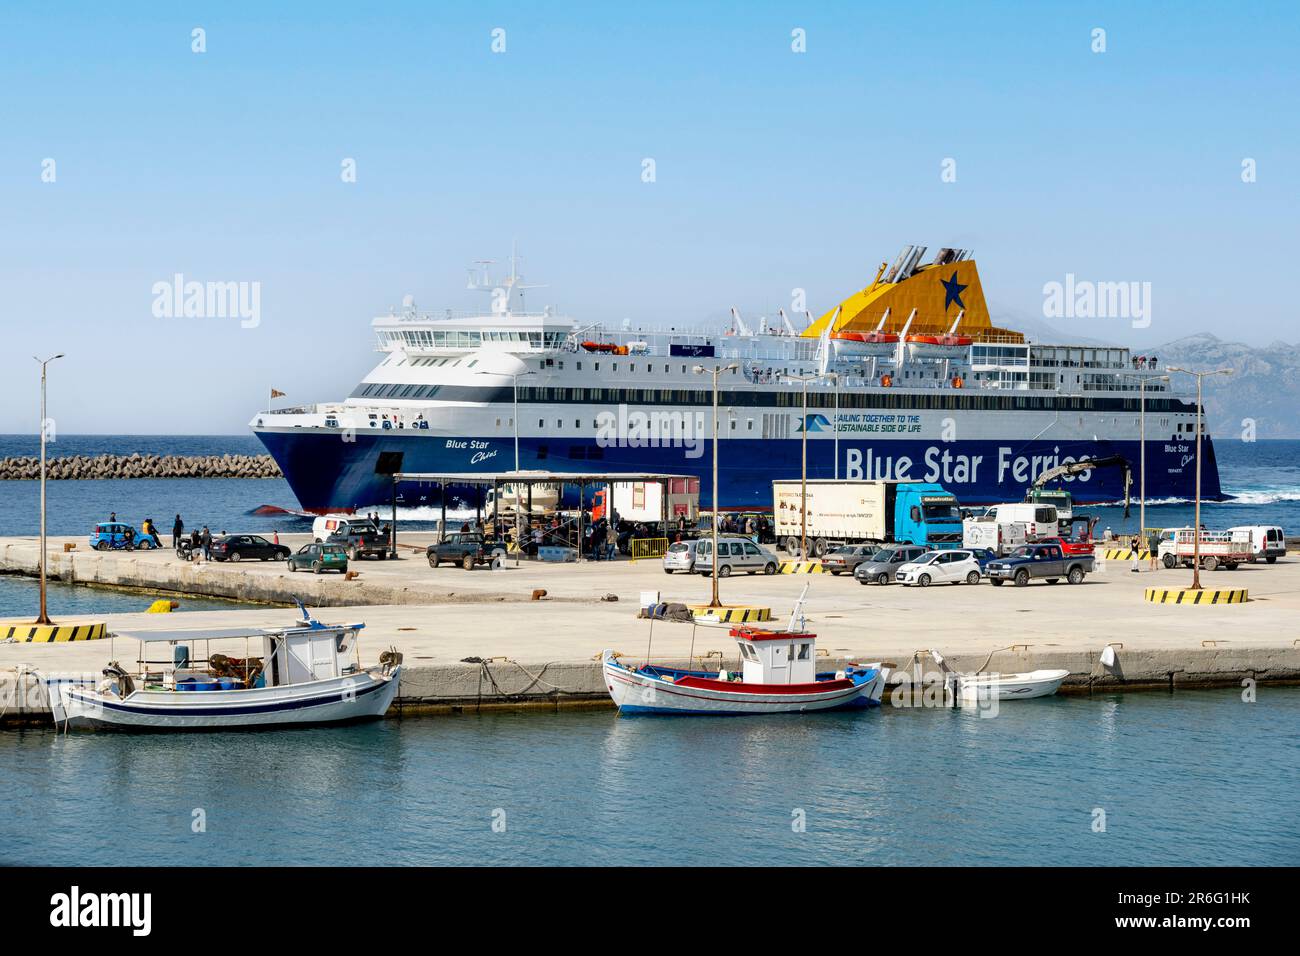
(28, 468)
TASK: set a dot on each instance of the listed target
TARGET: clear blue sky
(775, 170)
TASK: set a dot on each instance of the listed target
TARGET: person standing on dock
(205, 539)
(178, 529)
(1136, 545)
(1153, 544)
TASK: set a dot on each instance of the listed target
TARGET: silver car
(680, 556)
(881, 566)
(734, 554)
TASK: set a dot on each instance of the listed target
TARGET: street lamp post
(715, 372)
(1200, 414)
(835, 377)
(515, 376)
(43, 617)
(803, 480)
(1142, 448)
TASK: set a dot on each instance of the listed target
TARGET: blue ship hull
(329, 474)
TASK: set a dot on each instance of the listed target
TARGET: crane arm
(1088, 464)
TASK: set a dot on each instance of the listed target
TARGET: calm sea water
(22, 596)
(1264, 475)
(1193, 778)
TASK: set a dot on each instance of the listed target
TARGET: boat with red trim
(778, 676)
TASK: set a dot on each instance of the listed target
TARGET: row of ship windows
(948, 399)
(1190, 427)
(462, 339)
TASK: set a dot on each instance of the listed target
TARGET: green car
(319, 557)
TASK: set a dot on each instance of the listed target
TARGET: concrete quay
(543, 653)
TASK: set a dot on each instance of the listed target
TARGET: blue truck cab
(926, 513)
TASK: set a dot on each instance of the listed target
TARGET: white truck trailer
(864, 512)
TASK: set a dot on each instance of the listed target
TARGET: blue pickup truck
(1046, 561)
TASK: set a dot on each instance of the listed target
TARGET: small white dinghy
(302, 675)
(1043, 683)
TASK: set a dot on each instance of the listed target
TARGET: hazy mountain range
(1264, 386)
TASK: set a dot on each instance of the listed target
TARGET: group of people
(198, 542)
(147, 530)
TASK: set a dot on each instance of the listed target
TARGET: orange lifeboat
(865, 344)
(937, 346)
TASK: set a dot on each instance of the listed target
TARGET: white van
(735, 553)
(326, 525)
(1266, 541)
(1038, 520)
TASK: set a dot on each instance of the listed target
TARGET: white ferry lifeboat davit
(778, 676)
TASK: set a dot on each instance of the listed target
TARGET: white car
(680, 556)
(940, 567)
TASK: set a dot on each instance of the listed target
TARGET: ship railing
(462, 315)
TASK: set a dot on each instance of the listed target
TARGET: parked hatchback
(881, 566)
(734, 554)
(680, 556)
(237, 547)
(940, 567)
(319, 558)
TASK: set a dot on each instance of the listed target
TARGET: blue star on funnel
(952, 290)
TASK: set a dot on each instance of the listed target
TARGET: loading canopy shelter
(527, 479)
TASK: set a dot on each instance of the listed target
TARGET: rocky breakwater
(139, 466)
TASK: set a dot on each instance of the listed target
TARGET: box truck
(843, 512)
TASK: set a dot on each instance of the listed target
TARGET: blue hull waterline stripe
(326, 472)
(229, 711)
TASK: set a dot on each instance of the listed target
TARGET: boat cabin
(273, 657)
(776, 657)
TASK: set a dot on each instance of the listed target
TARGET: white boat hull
(365, 694)
(1042, 683)
(637, 693)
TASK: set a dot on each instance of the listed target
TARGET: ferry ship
(906, 379)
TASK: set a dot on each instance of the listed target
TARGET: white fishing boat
(778, 676)
(768, 657)
(307, 673)
(1040, 683)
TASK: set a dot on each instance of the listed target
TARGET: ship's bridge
(455, 332)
